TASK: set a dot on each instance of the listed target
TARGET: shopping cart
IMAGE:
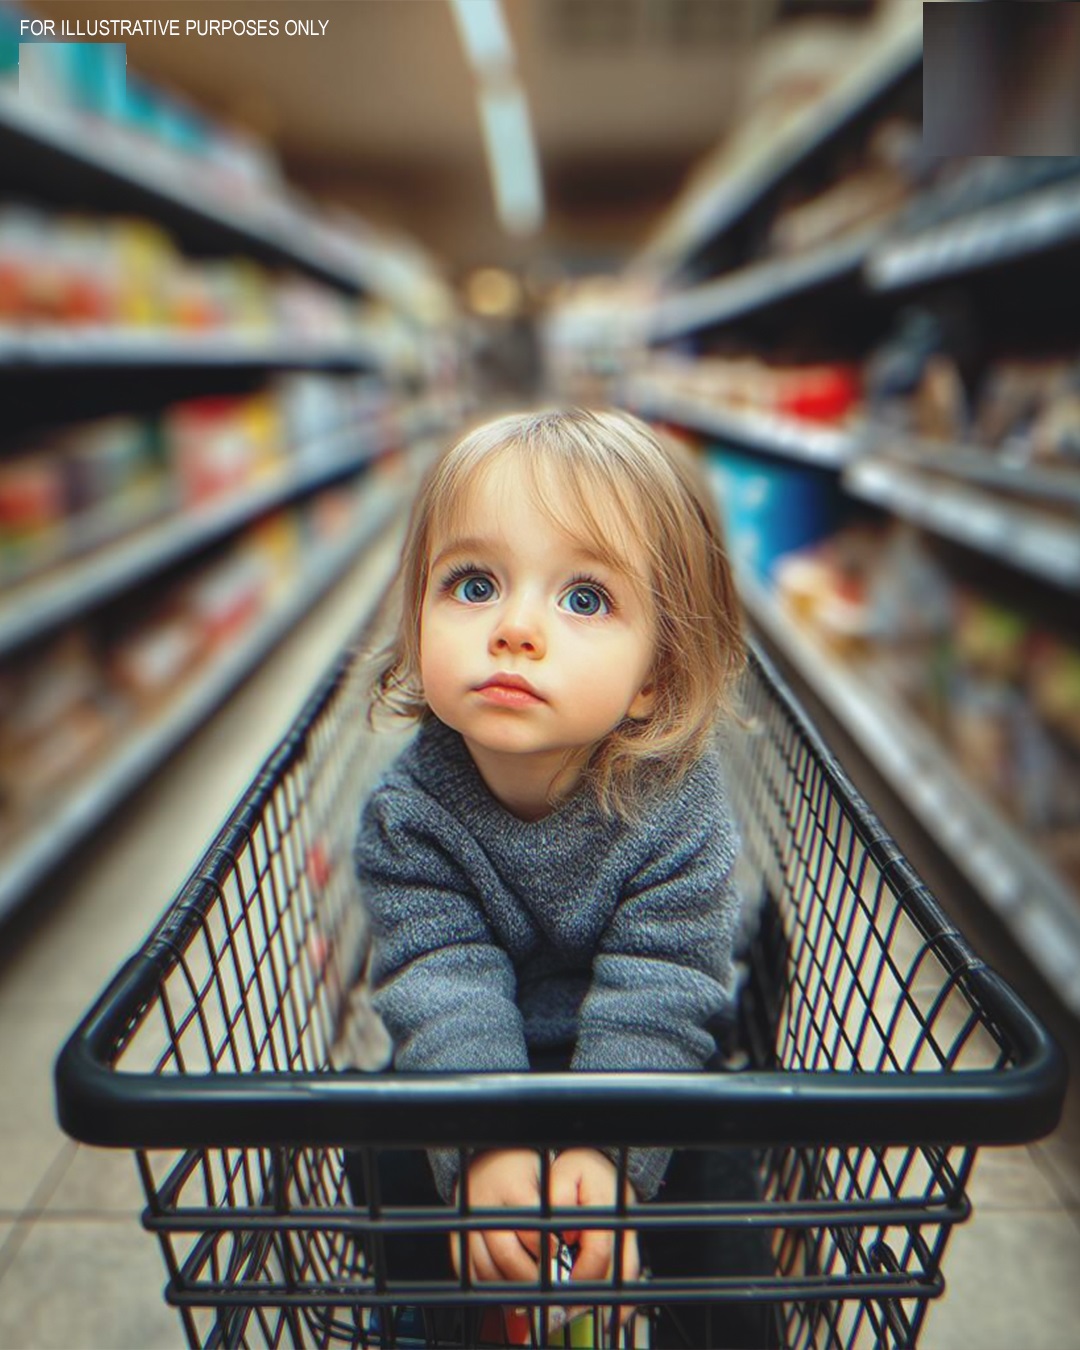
(874, 1052)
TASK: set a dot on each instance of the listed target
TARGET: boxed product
(150, 660)
(771, 507)
(227, 597)
(56, 720)
(1053, 677)
(33, 512)
(117, 476)
(217, 445)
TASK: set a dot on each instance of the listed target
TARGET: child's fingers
(627, 1315)
(631, 1272)
(596, 1261)
(457, 1251)
(594, 1258)
(512, 1260)
(563, 1189)
(631, 1258)
(482, 1267)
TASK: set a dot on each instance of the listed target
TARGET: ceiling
(625, 96)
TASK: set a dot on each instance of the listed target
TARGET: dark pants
(694, 1175)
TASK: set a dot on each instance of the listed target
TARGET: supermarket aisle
(75, 1267)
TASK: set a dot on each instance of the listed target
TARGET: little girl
(548, 865)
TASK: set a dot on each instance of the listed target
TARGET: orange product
(32, 492)
(33, 507)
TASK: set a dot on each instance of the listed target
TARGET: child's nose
(518, 634)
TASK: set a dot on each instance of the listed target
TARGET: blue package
(771, 506)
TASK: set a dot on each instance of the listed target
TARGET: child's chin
(508, 740)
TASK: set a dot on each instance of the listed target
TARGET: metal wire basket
(874, 1052)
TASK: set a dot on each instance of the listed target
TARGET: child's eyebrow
(472, 544)
(478, 544)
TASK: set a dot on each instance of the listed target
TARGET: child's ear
(641, 705)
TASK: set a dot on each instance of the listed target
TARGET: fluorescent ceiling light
(482, 29)
(512, 160)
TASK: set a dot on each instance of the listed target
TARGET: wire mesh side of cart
(850, 976)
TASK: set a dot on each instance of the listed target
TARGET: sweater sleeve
(443, 986)
(663, 969)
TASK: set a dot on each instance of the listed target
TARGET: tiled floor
(76, 1270)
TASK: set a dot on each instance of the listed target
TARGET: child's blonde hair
(620, 484)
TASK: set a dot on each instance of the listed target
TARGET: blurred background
(252, 278)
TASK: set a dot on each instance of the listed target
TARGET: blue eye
(473, 590)
(585, 601)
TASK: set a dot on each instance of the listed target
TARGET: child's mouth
(509, 696)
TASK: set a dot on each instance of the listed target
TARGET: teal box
(771, 507)
(100, 77)
(84, 76)
(9, 44)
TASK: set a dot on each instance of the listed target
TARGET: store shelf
(1021, 227)
(766, 432)
(732, 194)
(61, 350)
(144, 176)
(1047, 546)
(758, 286)
(974, 464)
(88, 804)
(32, 607)
(1034, 903)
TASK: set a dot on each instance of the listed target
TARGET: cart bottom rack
(873, 1054)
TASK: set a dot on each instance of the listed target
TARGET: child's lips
(509, 690)
(509, 695)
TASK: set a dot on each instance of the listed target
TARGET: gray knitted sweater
(495, 935)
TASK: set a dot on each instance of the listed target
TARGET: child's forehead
(586, 513)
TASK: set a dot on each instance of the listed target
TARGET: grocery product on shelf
(1054, 683)
(1029, 409)
(67, 703)
(127, 273)
(88, 485)
(826, 393)
(915, 377)
(769, 507)
(1002, 691)
(964, 186)
(218, 444)
(56, 721)
(870, 187)
(77, 489)
(930, 380)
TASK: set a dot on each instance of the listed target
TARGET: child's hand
(509, 1178)
(584, 1176)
